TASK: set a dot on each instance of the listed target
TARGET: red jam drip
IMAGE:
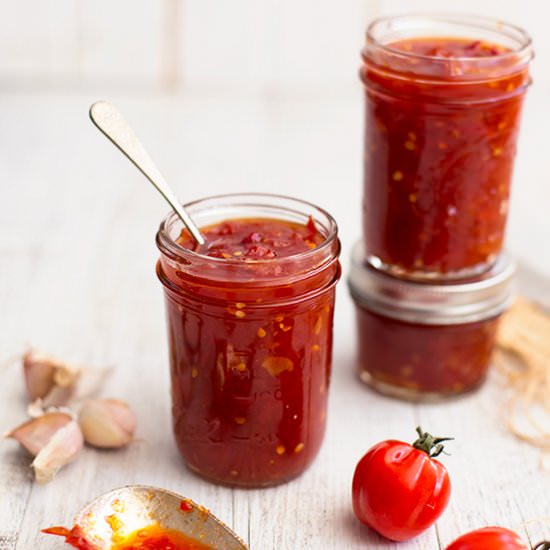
(75, 537)
(186, 506)
(255, 239)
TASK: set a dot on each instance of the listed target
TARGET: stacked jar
(443, 97)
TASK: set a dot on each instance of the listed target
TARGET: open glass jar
(425, 341)
(443, 97)
(250, 343)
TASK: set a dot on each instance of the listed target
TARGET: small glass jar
(250, 345)
(443, 98)
(422, 341)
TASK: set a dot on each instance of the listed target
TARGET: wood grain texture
(77, 279)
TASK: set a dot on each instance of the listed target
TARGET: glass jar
(250, 344)
(443, 96)
(425, 341)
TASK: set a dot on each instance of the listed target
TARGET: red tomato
(398, 489)
(489, 538)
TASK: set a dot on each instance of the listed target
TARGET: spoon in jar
(111, 517)
(110, 122)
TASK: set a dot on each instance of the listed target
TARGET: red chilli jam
(250, 335)
(425, 341)
(442, 114)
(152, 537)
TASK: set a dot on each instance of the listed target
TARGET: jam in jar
(250, 335)
(442, 113)
(424, 341)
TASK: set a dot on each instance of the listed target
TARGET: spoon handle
(111, 123)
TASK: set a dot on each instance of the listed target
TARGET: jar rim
(289, 204)
(523, 51)
(433, 303)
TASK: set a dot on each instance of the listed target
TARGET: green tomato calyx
(433, 446)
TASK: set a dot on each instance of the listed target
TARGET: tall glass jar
(250, 344)
(443, 97)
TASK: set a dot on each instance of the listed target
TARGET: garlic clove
(59, 396)
(66, 375)
(49, 379)
(39, 373)
(62, 448)
(35, 434)
(107, 423)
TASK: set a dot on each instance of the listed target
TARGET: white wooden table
(77, 279)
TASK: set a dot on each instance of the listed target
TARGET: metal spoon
(136, 506)
(109, 121)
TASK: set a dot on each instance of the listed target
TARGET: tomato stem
(433, 447)
(543, 545)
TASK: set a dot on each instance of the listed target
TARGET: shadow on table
(362, 535)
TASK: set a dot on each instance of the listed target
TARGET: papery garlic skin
(35, 434)
(49, 379)
(38, 371)
(107, 423)
(64, 446)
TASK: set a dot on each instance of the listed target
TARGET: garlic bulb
(107, 423)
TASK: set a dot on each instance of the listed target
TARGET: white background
(229, 95)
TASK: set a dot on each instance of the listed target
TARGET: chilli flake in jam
(250, 337)
(255, 239)
(442, 118)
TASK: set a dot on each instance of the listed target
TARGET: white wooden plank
(271, 47)
(318, 44)
(484, 466)
(222, 44)
(15, 475)
(121, 41)
(38, 39)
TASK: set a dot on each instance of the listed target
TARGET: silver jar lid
(442, 303)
